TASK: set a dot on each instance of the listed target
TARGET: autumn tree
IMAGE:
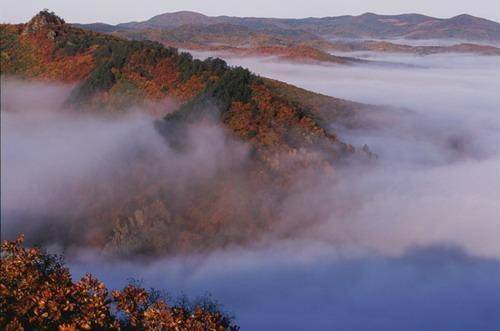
(37, 292)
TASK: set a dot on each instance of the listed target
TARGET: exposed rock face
(43, 20)
(145, 226)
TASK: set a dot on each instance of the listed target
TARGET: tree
(37, 292)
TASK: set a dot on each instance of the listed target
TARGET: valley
(335, 173)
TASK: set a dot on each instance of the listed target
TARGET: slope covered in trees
(114, 72)
(143, 208)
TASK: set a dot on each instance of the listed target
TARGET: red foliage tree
(37, 292)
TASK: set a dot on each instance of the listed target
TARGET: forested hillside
(114, 73)
(283, 131)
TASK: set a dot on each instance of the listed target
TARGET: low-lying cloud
(437, 178)
(300, 285)
(58, 163)
(411, 242)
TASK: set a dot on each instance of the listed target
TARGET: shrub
(37, 292)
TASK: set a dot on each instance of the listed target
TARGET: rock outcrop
(44, 20)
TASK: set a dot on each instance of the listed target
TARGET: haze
(418, 231)
(419, 252)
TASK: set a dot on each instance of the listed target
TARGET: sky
(119, 11)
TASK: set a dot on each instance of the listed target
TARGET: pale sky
(118, 11)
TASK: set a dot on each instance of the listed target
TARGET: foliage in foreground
(37, 292)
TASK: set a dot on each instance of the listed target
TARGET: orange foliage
(36, 292)
(191, 88)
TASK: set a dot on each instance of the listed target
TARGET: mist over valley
(300, 194)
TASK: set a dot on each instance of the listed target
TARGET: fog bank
(411, 242)
(439, 158)
(305, 286)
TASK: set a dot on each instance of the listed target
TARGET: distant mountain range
(311, 39)
(369, 25)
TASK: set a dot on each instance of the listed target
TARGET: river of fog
(419, 42)
(422, 249)
(419, 246)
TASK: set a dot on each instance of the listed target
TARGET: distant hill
(385, 46)
(98, 27)
(310, 39)
(369, 25)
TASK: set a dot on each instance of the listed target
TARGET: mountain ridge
(143, 209)
(312, 39)
(413, 26)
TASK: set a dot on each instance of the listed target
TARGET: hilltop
(286, 130)
(111, 70)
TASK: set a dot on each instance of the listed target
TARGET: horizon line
(257, 17)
